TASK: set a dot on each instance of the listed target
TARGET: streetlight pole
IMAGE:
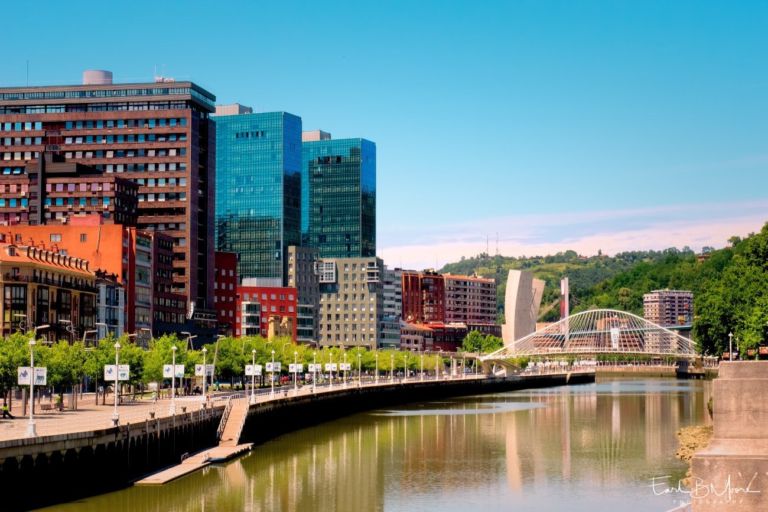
(439, 363)
(359, 369)
(253, 377)
(272, 393)
(172, 410)
(330, 359)
(295, 373)
(405, 367)
(115, 415)
(314, 370)
(730, 346)
(392, 368)
(422, 367)
(205, 372)
(376, 375)
(31, 428)
(345, 368)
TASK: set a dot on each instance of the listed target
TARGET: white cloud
(585, 232)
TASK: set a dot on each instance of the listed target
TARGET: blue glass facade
(258, 190)
(339, 197)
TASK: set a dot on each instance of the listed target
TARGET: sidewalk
(90, 417)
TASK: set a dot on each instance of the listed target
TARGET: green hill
(584, 273)
(730, 285)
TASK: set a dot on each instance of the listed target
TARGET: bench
(48, 407)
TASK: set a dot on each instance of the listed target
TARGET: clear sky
(551, 125)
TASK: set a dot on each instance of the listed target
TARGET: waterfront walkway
(91, 417)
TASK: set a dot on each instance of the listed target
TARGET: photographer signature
(700, 489)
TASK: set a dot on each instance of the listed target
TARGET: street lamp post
(376, 375)
(359, 369)
(422, 367)
(172, 409)
(439, 363)
(730, 346)
(405, 367)
(453, 370)
(31, 428)
(314, 370)
(115, 415)
(463, 365)
(392, 368)
(205, 373)
(295, 373)
(345, 368)
(272, 392)
(253, 377)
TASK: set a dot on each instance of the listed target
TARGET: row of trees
(69, 364)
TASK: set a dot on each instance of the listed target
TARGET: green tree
(14, 352)
(473, 342)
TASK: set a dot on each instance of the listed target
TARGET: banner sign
(315, 367)
(168, 371)
(273, 367)
(296, 368)
(346, 366)
(25, 374)
(330, 367)
(253, 370)
(123, 372)
(199, 370)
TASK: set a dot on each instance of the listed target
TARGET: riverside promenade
(89, 416)
(71, 444)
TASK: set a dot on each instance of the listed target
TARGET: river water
(605, 446)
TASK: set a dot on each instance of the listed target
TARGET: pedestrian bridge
(598, 331)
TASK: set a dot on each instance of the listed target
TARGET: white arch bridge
(597, 331)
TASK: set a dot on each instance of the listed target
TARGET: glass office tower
(258, 190)
(339, 197)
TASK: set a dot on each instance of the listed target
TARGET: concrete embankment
(65, 467)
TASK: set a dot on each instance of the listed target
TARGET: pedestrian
(7, 411)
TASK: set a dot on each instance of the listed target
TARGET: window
(55, 237)
(83, 238)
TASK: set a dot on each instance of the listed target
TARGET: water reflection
(592, 447)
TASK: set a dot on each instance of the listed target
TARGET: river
(605, 446)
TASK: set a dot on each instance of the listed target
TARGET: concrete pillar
(731, 474)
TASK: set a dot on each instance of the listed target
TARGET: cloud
(615, 231)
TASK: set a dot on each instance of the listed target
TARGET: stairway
(235, 421)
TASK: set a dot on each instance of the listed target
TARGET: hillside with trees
(584, 273)
(730, 285)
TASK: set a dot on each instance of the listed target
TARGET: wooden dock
(194, 463)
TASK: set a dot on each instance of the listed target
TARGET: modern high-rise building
(158, 135)
(338, 195)
(258, 190)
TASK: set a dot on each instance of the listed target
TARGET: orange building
(134, 256)
(40, 286)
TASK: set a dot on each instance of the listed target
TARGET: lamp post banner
(273, 367)
(296, 368)
(253, 370)
(123, 372)
(330, 367)
(25, 374)
(346, 366)
(315, 367)
(199, 370)
(168, 371)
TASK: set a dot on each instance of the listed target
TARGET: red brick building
(225, 291)
(423, 297)
(256, 305)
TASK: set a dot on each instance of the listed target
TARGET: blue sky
(606, 125)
